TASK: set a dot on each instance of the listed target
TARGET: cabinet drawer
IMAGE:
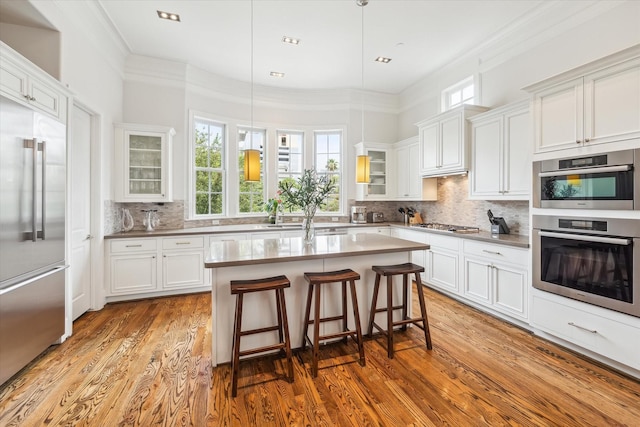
(497, 253)
(444, 242)
(614, 339)
(183, 242)
(133, 245)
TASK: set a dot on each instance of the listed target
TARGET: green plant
(272, 205)
(308, 193)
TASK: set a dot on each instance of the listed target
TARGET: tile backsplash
(452, 207)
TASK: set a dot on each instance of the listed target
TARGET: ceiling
(242, 39)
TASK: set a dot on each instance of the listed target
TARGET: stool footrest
(395, 307)
(260, 330)
(325, 319)
(262, 349)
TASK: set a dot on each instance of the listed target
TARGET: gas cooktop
(447, 227)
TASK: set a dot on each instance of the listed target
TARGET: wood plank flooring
(147, 363)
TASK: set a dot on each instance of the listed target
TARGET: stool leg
(389, 317)
(235, 360)
(279, 316)
(307, 312)
(316, 332)
(344, 309)
(285, 324)
(405, 286)
(374, 301)
(356, 316)
(423, 312)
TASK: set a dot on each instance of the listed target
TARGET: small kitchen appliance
(498, 224)
(359, 214)
(375, 217)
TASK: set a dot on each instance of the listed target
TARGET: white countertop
(261, 251)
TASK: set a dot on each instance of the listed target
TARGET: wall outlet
(335, 219)
(215, 222)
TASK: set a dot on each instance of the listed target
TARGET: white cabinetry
(596, 103)
(444, 141)
(496, 276)
(134, 270)
(409, 183)
(500, 154)
(142, 171)
(24, 82)
(604, 332)
(380, 183)
(417, 257)
(370, 230)
(443, 262)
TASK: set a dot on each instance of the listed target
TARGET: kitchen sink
(296, 225)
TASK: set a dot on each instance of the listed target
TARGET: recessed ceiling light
(290, 40)
(383, 59)
(168, 15)
(276, 74)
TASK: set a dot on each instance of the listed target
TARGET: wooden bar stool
(389, 271)
(241, 287)
(315, 281)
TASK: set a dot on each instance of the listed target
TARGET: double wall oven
(594, 258)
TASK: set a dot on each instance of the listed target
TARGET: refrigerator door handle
(32, 144)
(42, 147)
(33, 279)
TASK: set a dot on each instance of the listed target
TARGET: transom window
(250, 194)
(328, 158)
(462, 92)
(209, 167)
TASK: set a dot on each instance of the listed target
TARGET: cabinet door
(452, 143)
(516, 155)
(559, 116)
(612, 103)
(510, 290)
(429, 141)
(182, 269)
(402, 173)
(477, 280)
(133, 273)
(377, 187)
(486, 155)
(412, 164)
(443, 269)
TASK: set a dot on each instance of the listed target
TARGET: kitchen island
(259, 258)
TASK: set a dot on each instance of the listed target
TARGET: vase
(308, 230)
(127, 220)
(272, 219)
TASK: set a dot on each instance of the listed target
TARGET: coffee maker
(359, 214)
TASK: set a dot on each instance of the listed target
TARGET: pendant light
(251, 155)
(363, 161)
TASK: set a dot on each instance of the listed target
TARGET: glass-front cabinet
(379, 185)
(142, 165)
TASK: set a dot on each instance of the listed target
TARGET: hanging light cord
(362, 68)
(251, 129)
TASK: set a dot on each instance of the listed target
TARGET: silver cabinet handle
(183, 243)
(133, 246)
(89, 237)
(32, 144)
(593, 331)
(491, 252)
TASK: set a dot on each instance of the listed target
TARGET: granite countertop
(516, 240)
(262, 251)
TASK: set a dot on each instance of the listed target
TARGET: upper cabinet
(380, 186)
(444, 141)
(594, 104)
(409, 184)
(500, 153)
(26, 83)
(142, 163)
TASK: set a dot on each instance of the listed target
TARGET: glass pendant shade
(252, 165)
(362, 169)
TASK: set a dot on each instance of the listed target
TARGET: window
(250, 194)
(328, 155)
(461, 93)
(290, 155)
(209, 167)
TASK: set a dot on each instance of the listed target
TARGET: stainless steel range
(447, 227)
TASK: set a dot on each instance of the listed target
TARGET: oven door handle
(622, 168)
(596, 239)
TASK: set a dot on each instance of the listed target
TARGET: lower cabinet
(443, 263)
(604, 332)
(417, 257)
(496, 276)
(134, 270)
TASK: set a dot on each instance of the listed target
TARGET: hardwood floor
(147, 363)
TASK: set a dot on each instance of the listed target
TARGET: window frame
(446, 94)
(194, 117)
(341, 174)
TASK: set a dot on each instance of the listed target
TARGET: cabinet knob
(587, 140)
(578, 141)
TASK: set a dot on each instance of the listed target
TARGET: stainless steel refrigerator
(32, 234)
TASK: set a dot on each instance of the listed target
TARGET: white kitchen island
(259, 258)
